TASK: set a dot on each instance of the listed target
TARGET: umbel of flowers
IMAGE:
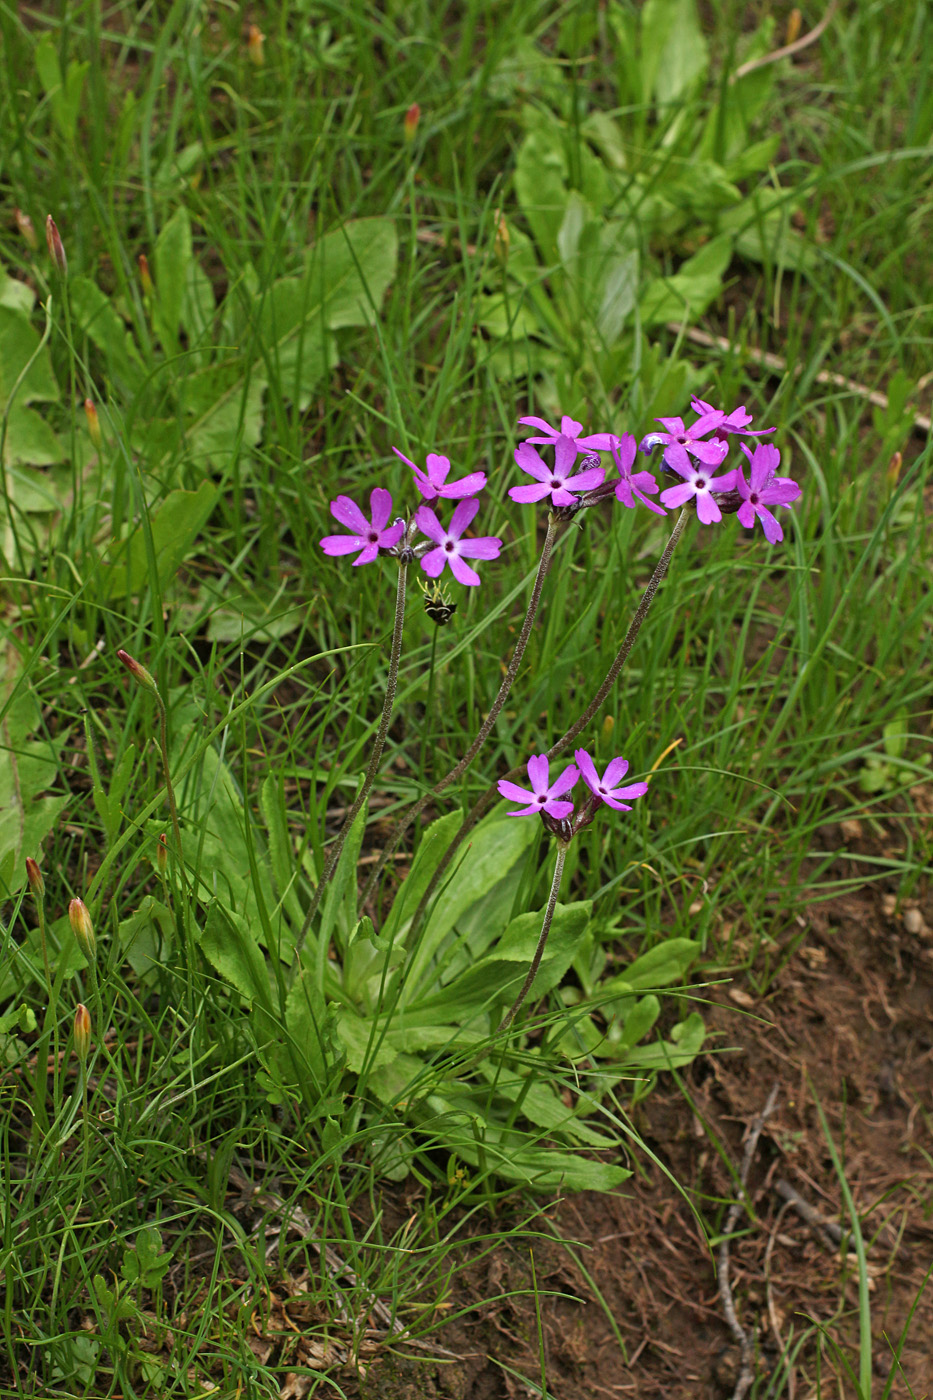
(694, 459)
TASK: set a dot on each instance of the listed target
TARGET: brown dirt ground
(847, 1021)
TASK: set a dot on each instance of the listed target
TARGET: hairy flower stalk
(388, 702)
(508, 680)
(513, 1011)
(483, 802)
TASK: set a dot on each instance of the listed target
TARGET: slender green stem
(510, 1015)
(428, 704)
(49, 1030)
(459, 768)
(628, 641)
(169, 786)
(391, 682)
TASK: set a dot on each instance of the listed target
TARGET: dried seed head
(83, 929)
(56, 246)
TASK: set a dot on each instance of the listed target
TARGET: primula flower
(607, 788)
(569, 428)
(698, 481)
(434, 483)
(764, 489)
(543, 796)
(735, 422)
(369, 536)
(451, 549)
(554, 481)
(632, 487)
(688, 439)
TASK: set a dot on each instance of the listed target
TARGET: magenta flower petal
(380, 504)
(348, 513)
(707, 510)
(557, 810)
(565, 782)
(513, 792)
(538, 772)
(524, 495)
(676, 496)
(569, 428)
(429, 524)
(343, 544)
(486, 547)
(462, 571)
(530, 461)
(438, 468)
(615, 772)
(366, 555)
(433, 563)
(462, 516)
(606, 788)
(586, 481)
(468, 485)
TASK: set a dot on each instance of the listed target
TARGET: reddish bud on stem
(144, 277)
(93, 424)
(412, 118)
(26, 228)
(82, 1032)
(83, 929)
(502, 240)
(254, 46)
(139, 673)
(162, 854)
(56, 246)
(34, 876)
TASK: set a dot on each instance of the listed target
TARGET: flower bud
(56, 246)
(162, 854)
(34, 876)
(144, 277)
(93, 424)
(502, 240)
(894, 470)
(412, 118)
(794, 21)
(254, 47)
(83, 929)
(26, 228)
(139, 673)
(82, 1032)
(609, 725)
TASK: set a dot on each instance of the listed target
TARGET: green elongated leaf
(675, 54)
(434, 843)
(544, 1108)
(496, 845)
(762, 231)
(339, 914)
(663, 966)
(171, 267)
(230, 947)
(19, 341)
(541, 185)
(146, 936)
(689, 292)
(223, 410)
(347, 274)
(175, 526)
(15, 295)
(97, 318)
(311, 1026)
(31, 442)
(636, 1025)
(357, 1037)
(281, 851)
(683, 1047)
(64, 93)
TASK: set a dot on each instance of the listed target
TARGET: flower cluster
(548, 799)
(694, 453)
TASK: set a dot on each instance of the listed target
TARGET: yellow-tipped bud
(56, 246)
(34, 876)
(609, 725)
(254, 46)
(139, 673)
(83, 929)
(144, 276)
(502, 240)
(82, 1032)
(93, 424)
(26, 228)
(794, 21)
(412, 118)
(894, 470)
(162, 854)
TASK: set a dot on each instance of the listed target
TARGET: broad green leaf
(683, 1047)
(146, 936)
(638, 1021)
(19, 342)
(97, 318)
(31, 442)
(687, 294)
(15, 295)
(228, 944)
(311, 1027)
(359, 1041)
(662, 966)
(172, 261)
(434, 843)
(541, 185)
(339, 912)
(223, 413)
(175, 526)
(282, 859)
(674, 51)
(64, 93)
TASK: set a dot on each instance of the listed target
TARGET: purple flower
(698, 481)
(451, 549)
(735, 422)
(554, 481)
(607, 788)
(764, 489)
(688, 439)
(434, 483)
(631, 488)
(542, 797)
(570, 428)
(369, 536)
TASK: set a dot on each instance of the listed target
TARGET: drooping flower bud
(144, 276)
(83, 929)
(26, 228)
(254, 46)
(502, 240)
(412, 118)
(56, 246)
(93, 424)
(34, 876)
(139, 673)
(82, 1032)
